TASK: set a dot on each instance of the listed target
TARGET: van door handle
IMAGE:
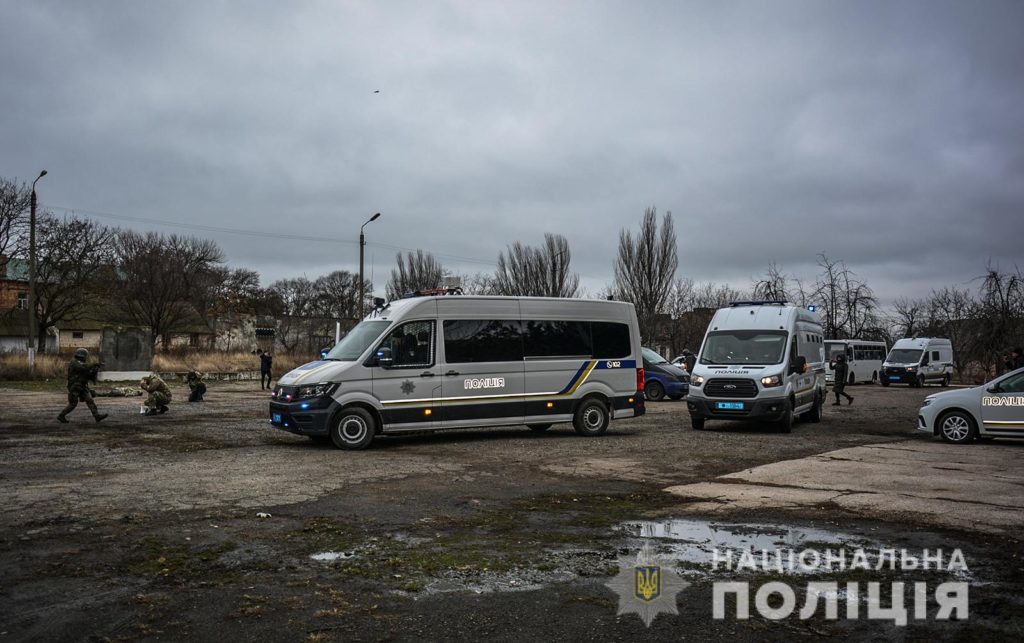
(426, 374)
(452, 373)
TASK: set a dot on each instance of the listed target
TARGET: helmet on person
(81, 354)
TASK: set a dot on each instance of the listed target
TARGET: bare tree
(909, 315)
(75, 257)
(849, 306)
(645, 269)
(14, 207)
(773, 286)
(536, 272)
(951, 313)
(336, 296)
(1000, 316)
(296, 300)
(158, 277)
(419, 271)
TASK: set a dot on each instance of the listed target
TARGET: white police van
(760, 361)
(918, 361)
(448, 362)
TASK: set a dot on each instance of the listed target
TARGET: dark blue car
(662, 378)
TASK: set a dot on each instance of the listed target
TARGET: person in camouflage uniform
(159, 394)
(196, 386)
(80, 373)
(841, 370)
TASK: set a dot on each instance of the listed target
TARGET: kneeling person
(196, 386)
(159, 394)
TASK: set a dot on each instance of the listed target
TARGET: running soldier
(159, 394)
(80, 373)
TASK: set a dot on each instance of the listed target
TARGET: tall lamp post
(32, 277)
(362, 243)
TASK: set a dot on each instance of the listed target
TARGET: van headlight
(770, 381)
(315, 390)
(697, 380)
(911, 369)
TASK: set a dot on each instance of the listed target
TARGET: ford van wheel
(957, 427)
(539, 428)
(591, 418)
(654, 391)
(785, 423)
(945, 381)
(814, 415)
(920, 381)
(352, 429)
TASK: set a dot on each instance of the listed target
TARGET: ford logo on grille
(729, 386)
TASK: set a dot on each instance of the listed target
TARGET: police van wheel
(945, 381)
(814, 414)
(539, 428)
(957, 427)
(654, 391)
(591, 418)
(785, 423)
(697, 424)
(352, 429)
(920, 381)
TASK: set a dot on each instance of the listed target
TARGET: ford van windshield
(904, 356)
(744, 347)
(353, 345)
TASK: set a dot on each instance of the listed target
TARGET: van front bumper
(304, 417)
(752, 409)
(901, 376)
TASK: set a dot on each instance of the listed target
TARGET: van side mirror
(384, 358)
(799, 365)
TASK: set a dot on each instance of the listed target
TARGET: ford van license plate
(894, 377)
(275, 418)
(729, 406)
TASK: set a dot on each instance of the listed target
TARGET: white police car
(995, 410)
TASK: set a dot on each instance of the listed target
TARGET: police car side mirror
(995, 388)
(384, 358)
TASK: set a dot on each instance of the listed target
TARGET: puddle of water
(329, 556)
(696, 541)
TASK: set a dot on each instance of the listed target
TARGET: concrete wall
(90, 339)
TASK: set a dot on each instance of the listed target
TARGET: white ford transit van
(918, 361)
(760, 361)
(447, 362)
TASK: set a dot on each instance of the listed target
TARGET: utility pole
(32, 278)
(362, 243)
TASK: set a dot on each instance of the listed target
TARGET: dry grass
(221, 362)
(14, 366)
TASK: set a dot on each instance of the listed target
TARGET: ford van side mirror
(384, 358)
(799, 365)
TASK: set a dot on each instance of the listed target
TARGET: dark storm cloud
(884, 133)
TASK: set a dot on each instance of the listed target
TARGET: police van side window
(556, 338)
(484, 340)
(411, 344)
(611, 340)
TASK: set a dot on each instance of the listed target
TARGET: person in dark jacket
(841, 370)
(80, 373)
(266, 364)
(196, 386)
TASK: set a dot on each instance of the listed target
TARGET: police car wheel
(539, 428)
(957, 427)
(654, 391)
(591, 418)
(352, 429)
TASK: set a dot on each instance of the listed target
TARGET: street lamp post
(362, 243)
(32, 277)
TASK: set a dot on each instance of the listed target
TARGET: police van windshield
(748, 347)
(904, 356)
(353, 345)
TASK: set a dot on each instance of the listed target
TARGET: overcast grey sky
(889, 134)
